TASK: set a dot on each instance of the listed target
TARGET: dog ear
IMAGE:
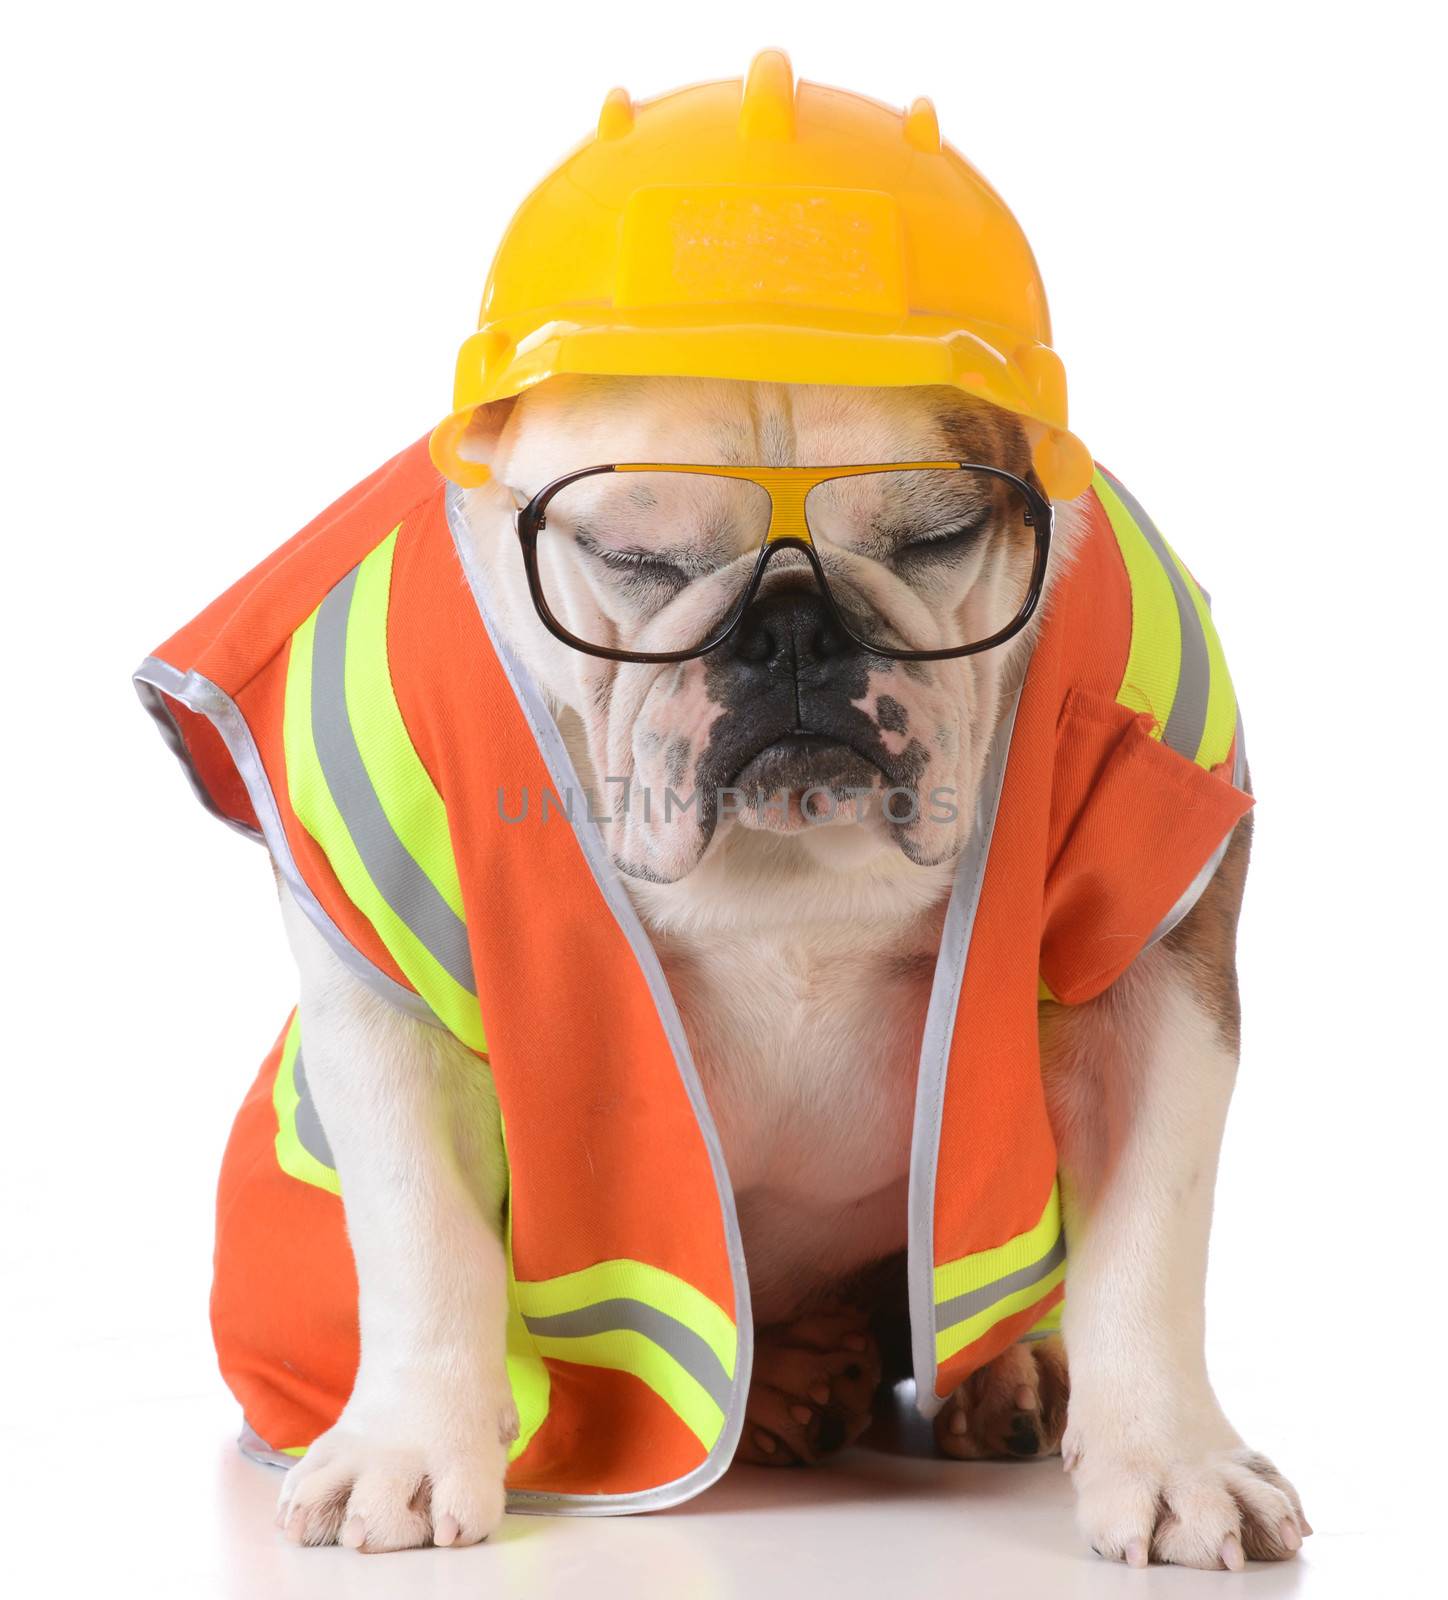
(463, 447)
(479, 439)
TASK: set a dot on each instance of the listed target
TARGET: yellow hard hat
(770, 231)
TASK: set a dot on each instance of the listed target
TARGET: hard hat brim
(748, 344)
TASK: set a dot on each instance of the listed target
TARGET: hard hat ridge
(616, 117)
(922, 129)
(766, 108)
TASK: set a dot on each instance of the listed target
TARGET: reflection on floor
(185, 1514)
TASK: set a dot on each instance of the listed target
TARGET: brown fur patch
(973, 430)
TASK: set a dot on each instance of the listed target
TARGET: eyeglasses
(916, 560)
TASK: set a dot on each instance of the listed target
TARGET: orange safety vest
(350, 703)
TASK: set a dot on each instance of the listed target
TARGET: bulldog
(795, 895)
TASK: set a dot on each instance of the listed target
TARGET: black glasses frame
(532, 519)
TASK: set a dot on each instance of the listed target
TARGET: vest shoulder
(1147, 764)
(1088, 611)
(243, 628)
(1132, 624)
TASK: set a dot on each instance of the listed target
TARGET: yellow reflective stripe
(976, 1292)
(293, 1157)
(404, 787)
(635, 1280)
(953, 1339)
(1165, 599)
(527, 1376)
(972, 1272)
(1221, 725)
(312, 801)
(1050, 1323)
(632, 1317)
(1153, 665)
(624, 1350)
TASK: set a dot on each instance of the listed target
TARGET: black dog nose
(789, 630)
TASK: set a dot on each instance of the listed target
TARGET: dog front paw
(1193, 1507)
(398, 1477)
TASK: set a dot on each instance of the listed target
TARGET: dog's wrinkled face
(789, 727)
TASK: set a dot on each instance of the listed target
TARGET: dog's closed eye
(644, 571)
(634, 563)
(949, 543)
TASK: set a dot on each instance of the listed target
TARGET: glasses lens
(650, 561)
(931, 558)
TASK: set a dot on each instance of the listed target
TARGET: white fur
(413, 1125)
(806, 1034)
(802, 965)
(1139, 1083)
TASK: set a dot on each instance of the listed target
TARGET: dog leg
(1138, 1082)
(1013, 1406)
(812, 1388)
(417, 1456)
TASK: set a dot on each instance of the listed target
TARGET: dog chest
(807, 1050)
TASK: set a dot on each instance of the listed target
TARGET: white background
(244, 242)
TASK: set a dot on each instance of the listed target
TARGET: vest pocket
(1133, 824)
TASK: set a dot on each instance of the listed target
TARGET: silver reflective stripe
(605, 874)
(255, 1448)
(935, 1056)
(949, 1312)
(1188, 720)
(310, 1133)
(160, 713)
(154, 678)
(398, 878)
(682, 1343)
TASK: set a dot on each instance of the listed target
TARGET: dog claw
(1136, 1553)
(354, 1533)
(1290, 1536)
(1232, 1557)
